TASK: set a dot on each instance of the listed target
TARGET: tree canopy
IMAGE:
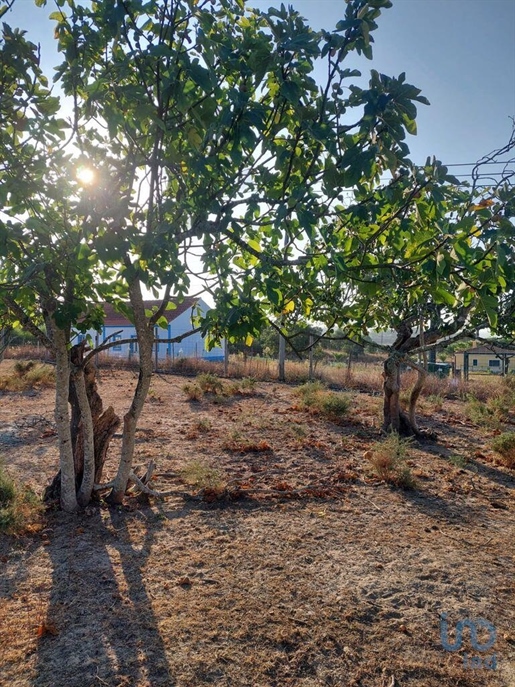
(212, 158)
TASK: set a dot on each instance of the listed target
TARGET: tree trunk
(415, 393)
(67, 493)
(394, 418)
(145, 339)
(104, 425)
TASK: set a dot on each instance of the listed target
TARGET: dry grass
(388, 459)
(27, 375)
(315, 574)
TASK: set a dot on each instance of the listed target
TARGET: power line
(480, 164)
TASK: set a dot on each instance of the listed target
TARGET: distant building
(484, 359)
(179, 321)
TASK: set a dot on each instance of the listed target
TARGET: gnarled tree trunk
(395, 419)
(98, 434)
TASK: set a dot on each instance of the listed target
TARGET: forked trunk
(395, 419)
(103, 426)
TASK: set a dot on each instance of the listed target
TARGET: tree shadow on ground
(100, 627)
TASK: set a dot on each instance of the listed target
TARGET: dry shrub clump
(20, 508)
(388, 459)
(238, 443)
(315, 398)
(28, 375)
(504, 445)
(209, 384)
(494, 409)
(202, 475)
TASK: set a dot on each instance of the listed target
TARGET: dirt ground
(309, 571)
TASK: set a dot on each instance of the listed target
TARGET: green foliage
(215, 155)
(315, 398)
(388, 459)
(458, 461)
(504, 445)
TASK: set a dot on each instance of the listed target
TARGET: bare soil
(306, 570)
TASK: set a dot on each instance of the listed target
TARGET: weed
(239, 444)
(19, 506)
(202, 475)
(388, 459)
(193, 391)
(458, 461)
(210, 384)
(203, 424)
(504, 445)
(483, 414)
(245, 387)
(308, 391)
(318, 400)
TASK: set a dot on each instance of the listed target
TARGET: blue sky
(461, 53)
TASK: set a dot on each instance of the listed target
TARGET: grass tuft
(28, 375)
(202, 475)
(316, 399)
(388, 459)
(20, 508)
(504, 445)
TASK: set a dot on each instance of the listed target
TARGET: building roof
(115, 319)
(489, 350)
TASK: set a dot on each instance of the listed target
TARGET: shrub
(193, 391)
(491, 413)
(315, 398)
(504, 445)
(28, 375)
(388, 459)
(19, 506)
(202, 475)
(210, 384)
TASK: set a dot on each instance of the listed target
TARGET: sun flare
(86, 175)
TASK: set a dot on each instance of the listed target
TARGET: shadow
(490, 472)
(100, 627)
(443, 510)
(494, 474)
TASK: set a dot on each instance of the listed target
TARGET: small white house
(481, 359)
(117, 327)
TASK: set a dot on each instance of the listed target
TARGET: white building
(117, 327)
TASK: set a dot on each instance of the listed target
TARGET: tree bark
(145, 335)
(88, 441)
(104, 425)
(395, 419)
(68, 496)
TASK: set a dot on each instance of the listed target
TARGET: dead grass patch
(388, 460)
(27, 375)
